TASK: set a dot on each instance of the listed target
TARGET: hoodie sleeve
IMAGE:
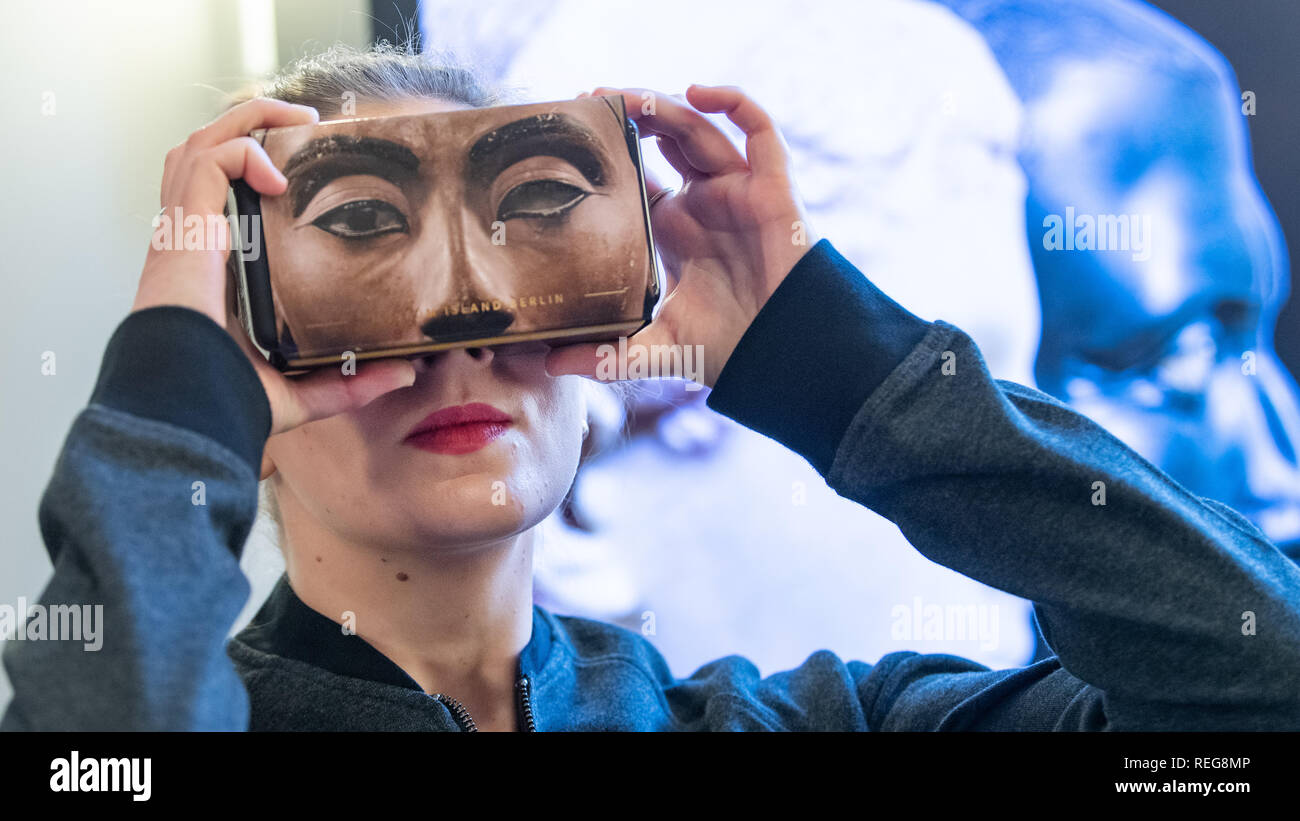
(151, 501)
(1165, 611)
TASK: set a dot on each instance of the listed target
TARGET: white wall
(94, 95)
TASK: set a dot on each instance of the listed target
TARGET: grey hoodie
(1165, 611)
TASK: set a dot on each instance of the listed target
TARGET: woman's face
(472, 225)
(481, 447)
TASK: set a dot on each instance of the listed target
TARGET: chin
(474, 509)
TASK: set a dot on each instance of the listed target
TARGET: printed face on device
(466, 224)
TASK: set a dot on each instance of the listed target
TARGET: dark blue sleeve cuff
(175, 365)
(819, 346)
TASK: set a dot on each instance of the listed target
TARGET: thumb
(609, 361)
(581, 360)
(328, 391)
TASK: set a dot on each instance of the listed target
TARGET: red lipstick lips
(459, 429)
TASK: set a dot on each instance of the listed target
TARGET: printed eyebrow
(553, 135)
(325, 159)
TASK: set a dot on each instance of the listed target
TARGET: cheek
(546, 464)
(323, 283)
(616, 258)
(324, 463)
(537, 464)
(597, 260)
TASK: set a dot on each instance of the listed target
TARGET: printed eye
(540, 198)
(362, 219)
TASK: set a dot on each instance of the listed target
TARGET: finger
(703, 144)
(653, 185)
(601, 361)
(322, 393)
(578, 360)
(327, 391)
(765, 147)
(174, 159)
(212, 170)
(236, 327)
(675, 158)
(259, 112)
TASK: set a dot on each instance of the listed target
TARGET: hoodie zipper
(524, 688)
(458, 713)
(523, 691)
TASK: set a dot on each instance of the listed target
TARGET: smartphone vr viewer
(399, 236)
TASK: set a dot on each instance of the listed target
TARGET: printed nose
(469, 301)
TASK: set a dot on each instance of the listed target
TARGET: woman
(407, 598)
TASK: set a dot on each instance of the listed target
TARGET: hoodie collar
(285, 626)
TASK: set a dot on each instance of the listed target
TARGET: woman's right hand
(196, 176)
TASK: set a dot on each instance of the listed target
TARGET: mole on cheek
(401, 577)
(318, 558)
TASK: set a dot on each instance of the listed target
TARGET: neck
(454, 619)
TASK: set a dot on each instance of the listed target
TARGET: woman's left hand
(727, 238)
